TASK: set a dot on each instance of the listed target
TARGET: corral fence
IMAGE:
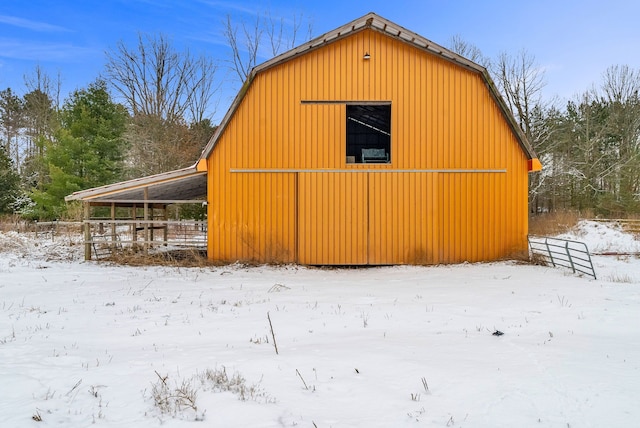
(53, 229)
(626, 224)
(563, 253)
(107, 237)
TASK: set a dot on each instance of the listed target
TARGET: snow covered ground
(85, 343)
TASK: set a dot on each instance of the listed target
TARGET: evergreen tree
(87, 151)
(9, 183)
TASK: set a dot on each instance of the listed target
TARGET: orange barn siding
(332, 221)
(280, 189)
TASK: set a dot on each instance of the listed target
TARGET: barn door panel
(332, 218)
(253, 219)
(403, 221)
(471, 218)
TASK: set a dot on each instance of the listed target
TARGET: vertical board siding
(407, 198)
(254, 226)
(333, 210)
(442, 117)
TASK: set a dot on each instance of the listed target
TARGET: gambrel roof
(376, 23)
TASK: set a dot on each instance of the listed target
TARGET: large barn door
(368, 218)
(332, 218)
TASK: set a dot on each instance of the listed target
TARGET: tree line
(589, 146)
(159, 123)
(150, 112)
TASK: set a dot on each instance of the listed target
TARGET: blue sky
(573, 41)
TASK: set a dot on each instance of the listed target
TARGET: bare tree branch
(247, 46)
(468, 50)
(521, 82)
(154, 79)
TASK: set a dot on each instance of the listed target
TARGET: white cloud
(35, 50)
(30, 25)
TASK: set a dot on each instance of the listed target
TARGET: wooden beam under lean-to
(87, 230)
(146, 218)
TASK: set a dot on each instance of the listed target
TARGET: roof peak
(385, 26)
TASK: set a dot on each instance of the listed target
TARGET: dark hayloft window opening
(368, 133)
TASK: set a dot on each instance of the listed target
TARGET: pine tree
(9, 183)
(87, 151)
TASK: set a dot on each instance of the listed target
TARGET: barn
(369, 145)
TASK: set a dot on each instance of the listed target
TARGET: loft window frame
(378, 138)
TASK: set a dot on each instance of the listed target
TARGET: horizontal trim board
(347, 102)
(109, 222)
(361, 170)
(143, 201)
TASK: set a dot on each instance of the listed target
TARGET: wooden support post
(134, 226)
(165, 230)
(146, 219)
(152, 217)
(113, 227)
(87, 230)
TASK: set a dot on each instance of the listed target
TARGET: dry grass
(538, 260)
(180, 258)
(620, 278)
(13, 223)
(554, 223)
(179, 398)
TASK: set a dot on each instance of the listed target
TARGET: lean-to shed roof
(179, 186)
(380, 24)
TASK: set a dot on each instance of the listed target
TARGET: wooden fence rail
(626, 224)
(56, 228)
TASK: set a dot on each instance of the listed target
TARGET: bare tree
(621, 84)
(159, 146)
(247, 44)
(521, 81)
(468, 50)
(275, 30)
(155, 79)
(243, 58)
(168, 93)
(592, 160)
(40, 80)
(41, 104)
(620, 93)
(203, 106)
